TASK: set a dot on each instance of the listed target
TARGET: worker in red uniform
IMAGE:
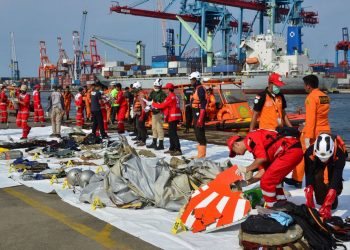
(123, 108)
(270, 106)
(327, 154)
(38, 109)
(3, 105)
(274, 155)
(199, 104)
(317, 106)
(67, 97)
(23, 111)
(172, 115)
(79, 103)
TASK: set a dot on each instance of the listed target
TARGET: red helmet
(169, 85)
(230, 143)
(37, 86)
(276, 79)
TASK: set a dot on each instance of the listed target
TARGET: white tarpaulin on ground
(154, 225)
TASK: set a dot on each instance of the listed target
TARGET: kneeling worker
(275, 156)
(326, 157)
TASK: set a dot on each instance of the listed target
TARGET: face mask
(156, 90)
(275, 89)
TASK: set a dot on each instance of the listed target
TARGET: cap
(37, 86)
(24, 87)
(169, 85)
(230, 143)
(113, 83)
(276, 79)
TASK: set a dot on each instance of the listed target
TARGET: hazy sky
(35, 20)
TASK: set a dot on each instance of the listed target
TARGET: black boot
(160, 145)
(153, 145)
(292, 182)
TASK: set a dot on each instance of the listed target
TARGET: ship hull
(252, 84)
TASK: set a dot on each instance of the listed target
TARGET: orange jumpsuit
(67, 97)
(87, 100)
(317, 105)
(211, 107)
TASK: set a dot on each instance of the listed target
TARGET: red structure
(96, 62)
(46, 68)
(344, 46)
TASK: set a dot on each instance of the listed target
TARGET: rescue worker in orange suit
(327, 154)
(87, 99)
(23, 112)
(270, 106)
(274, 156)
(38, 109)
(317, 105)
(211, 105)
(199, 103)
(67, 97)
(188, 92)
(3, 105)
(140, 114)
(172, 113)
(79, 104)
(123, 108)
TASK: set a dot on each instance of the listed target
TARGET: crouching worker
(275, 156)
(324, 164)
(172, 113)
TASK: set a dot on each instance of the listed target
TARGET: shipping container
(160, 71)
(165, 58)
(118, 68)
(186, 71)
(149, 72)
(172, 71)
(177, 64)
(119, 73)
(159, 64)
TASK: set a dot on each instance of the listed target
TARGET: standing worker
(107, 93)
(104, 109)
(157, 95)
(38, 109)
(115, 106)
(79, 104)
(274, 155)
(87, 99)
(199, 103)
(317, 105)
(23, 111)
(56, 107)
(97, 118)
(327, 154)
(123, 108)
(140, 114)
(173, 115)
(188, 92)
(270, 106)
(67, 97)
(3, 105)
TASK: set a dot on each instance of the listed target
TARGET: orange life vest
(271, 114)
(196, 102)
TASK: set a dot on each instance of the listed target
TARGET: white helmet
(137, 85)
(195, 74)
(157, 83)
(324, 147)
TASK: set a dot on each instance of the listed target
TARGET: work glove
(309, 195)
(325, 209)
(200, 121)
(242, 171)
(307, 143)
(147, 109)
(148, 103)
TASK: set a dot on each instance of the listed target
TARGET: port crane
(213, 15)
(14, 63)
(64, 64)
(140, 49)
(343, 45)
(46, 68)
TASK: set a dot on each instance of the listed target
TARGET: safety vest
(196, 102)
(271, 114)
(138, 102)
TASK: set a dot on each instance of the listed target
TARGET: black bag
(288, 131)
(262, 224)
(91, 139)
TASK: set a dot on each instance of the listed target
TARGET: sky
(36, 20)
